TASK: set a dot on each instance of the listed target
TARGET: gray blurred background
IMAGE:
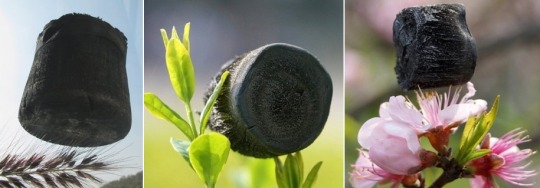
(507, 34)
(221, 30)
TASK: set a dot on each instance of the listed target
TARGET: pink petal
(362, 182)
(366, 174)
(383, 111)
(480, 182)
(402, 110)
(366, 131)
(395, 148)
(470, 93)
(462, 112)
(396, 160)
(404, 132)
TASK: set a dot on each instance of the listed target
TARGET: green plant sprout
(475, 131)
(207, 153)
(291, 174)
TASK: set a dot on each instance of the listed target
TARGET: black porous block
(434, 47)
(275, 101)
(77, 91)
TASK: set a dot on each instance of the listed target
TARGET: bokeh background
(221, 30)
(20, 24)
(507, 35)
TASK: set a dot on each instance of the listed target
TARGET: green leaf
(181, 146)
(280, 178)
(186, 36)
(164, 37)
(477, 154)
(474, 132)
(162, 111)
(291, 171)
(467, 131)
(174, 34)
(300, 164)
(207, 154)
(490, 116)
(312, 176)
(181, 72)
(205, 115)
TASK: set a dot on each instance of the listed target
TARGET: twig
(452, 170)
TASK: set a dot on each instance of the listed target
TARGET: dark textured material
(77, 91)
(275, 101)
(434, 47)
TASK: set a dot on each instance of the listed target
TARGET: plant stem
(452, 171)
(191, 121)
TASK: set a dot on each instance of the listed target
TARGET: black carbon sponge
(275, 101)
(77, 91)
(434, 47)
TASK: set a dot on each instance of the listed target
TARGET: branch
(452, 170)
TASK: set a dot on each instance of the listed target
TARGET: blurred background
(508, 41)
(221, 30)
(20, 24)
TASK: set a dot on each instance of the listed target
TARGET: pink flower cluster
(391, 147)
(503, 161)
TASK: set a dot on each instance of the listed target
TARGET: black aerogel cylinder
(77, 91)
(275, 101)
(434, 47)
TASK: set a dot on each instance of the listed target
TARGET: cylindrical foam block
(77, 91)
(275, 101)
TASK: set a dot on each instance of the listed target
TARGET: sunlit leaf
(292, 172)
(205, 115)
(280, 175)
(186, 36)
(474, 132)
(162, 111)
(181, 146)
(164, 37)
(174, 34)
(490, 116)
(312, 176)
(477, 154)
(180, 68)
(467, 131)
(207, 154)
(300, 164)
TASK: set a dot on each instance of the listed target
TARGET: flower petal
(395, 149)
(462, 112)
(470, 93)
(479, 182)
(366, 174)
(366, 132)
(402, 110)
(404, 132)
(383, 111)
(358, 182)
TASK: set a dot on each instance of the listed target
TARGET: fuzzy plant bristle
(65, 168)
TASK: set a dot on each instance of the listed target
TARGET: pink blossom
(443, 110)
(366, 174)
(394, 146)
(503, 161)
(392, 138)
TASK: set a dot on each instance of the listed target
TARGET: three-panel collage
(269, 94)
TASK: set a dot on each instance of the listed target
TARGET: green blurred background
(221, 30)
(507, 34)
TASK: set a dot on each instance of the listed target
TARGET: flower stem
(191, 121)
(452, 170)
